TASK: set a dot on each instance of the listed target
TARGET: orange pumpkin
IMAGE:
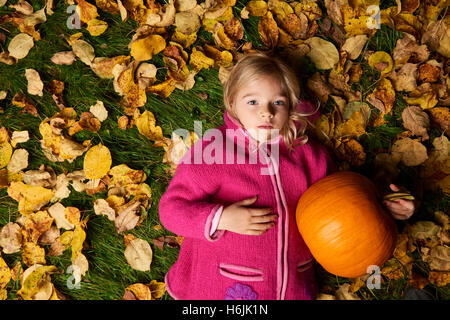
(344, 225)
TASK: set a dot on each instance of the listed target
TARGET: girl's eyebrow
(256, 94)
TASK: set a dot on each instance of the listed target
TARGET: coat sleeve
(185, 208)
(331, 164)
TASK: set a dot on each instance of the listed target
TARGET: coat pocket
(305, 265)
(241, 273)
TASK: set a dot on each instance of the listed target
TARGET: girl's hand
(400, 209)
(251, 221)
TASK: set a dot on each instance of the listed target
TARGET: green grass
(109, 274)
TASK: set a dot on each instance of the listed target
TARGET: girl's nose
(265, 113)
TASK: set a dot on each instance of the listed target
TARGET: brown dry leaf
(354, 46)
(139, 254)
(187, 22)
(103, 66)
(128, 216)
(408, 50)
(19, 137)
(424, 233)
(89, 122)
(343, 293)
(84, 51)
(417, 121)
(97, 162)
(410, 152)
(437, 36)
(35, 85)
(35, 224)
(438, 258)
(124, 84)
(146, 74)
(440, 279)
(440, 116)
(22, 101)
(58, 212)
(352, 151)
(101, 207)
(385, 93)
(20, 45)
(323, 53)
(137, 291)
(99, 111)
(18, 161)
(405, 78)
(11, 238)
(268, 30)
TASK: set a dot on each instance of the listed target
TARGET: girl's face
(262, 108)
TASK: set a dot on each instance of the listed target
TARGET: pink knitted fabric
(226, 265)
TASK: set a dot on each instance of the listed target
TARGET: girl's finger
(261, 211)
(263, 219)
(394, 187)
(262, 226)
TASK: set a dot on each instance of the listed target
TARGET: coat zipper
(281, 294)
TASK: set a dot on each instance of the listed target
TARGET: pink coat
(226, 265)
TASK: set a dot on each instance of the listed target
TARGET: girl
(238, 218)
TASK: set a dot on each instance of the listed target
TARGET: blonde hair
(255, 65)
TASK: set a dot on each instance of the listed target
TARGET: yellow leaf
(257, 8)
(381, 61)
(140, 291)
(79, 235)
(96, 27)
(199, 60)
(97, 162)
(163, 89)
(30, 198)
(185, 40)
(123, 175)
(5, 273)
(36, 281)
(5, 153)
(33, 254)
(144, 48)
(157, 289)
(146, 124)
(426, 100)
(86, 11)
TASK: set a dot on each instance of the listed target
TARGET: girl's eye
(279, 103)
(252, 102)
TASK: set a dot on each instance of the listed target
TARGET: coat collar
(234, 128)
